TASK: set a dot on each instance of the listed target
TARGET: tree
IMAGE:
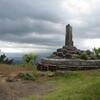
(5, 60)
(29, 59)
(96, 52)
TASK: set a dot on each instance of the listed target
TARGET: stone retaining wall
(70, 62)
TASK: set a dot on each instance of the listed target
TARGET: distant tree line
(5, 60)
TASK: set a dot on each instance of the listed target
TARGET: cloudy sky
(39, 25)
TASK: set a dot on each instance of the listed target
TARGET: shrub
(84, 56)
(27, 64)
(96, 52)
(29, 60)
(31, 76)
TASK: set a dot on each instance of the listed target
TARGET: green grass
(73, 86)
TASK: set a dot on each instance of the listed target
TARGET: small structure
(68, 57)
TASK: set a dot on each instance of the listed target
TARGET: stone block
(60, 54)
(59, 50)
(68, 55)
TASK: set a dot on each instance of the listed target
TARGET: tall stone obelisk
(69, 36)
(68, 51)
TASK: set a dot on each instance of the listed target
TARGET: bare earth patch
(17, 90)
(20, 89)
(10, 69)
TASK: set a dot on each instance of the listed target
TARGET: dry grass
(6, 70)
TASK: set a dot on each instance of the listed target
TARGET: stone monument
(65, 57)
(68, 51)
(69, 36)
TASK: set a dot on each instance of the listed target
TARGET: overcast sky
(39, 25)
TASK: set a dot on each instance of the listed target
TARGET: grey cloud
(17, 31)
(24, 26)
(20, 18)
(43, 10)
(90, 31)
(38, 40)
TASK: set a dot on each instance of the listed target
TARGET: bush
(84, 56)
(25, 64)
(96, 52)
(29, 60)
(31, 76)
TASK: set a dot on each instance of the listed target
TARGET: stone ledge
(70, 62)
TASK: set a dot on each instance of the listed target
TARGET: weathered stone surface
(88, 52)
(64, 51)
(60, 54)
(68, 55)
(71, 62)
(51, 74)
(54, 52)
(57, 57)
(16, 77)
(74, 56)
(59, 50)
(68, 38)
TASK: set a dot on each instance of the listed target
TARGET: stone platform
(68, 64)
